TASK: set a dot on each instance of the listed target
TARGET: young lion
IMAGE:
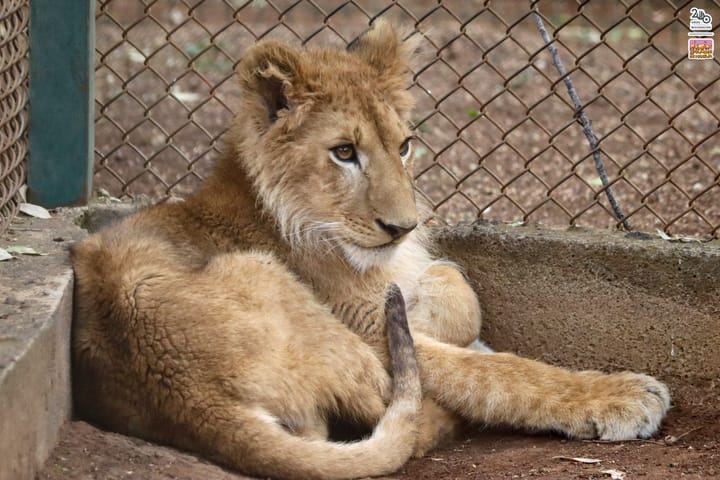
(237, 322)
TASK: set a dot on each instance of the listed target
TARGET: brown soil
(688, 447)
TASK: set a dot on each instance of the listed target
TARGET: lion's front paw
(623, 406)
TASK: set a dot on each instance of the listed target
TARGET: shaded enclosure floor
(688, 447)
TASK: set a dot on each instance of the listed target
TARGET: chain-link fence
(498, 134)
(14, 16)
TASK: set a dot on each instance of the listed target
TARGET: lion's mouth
(364, 257)
(379, 247)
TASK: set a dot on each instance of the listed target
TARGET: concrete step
(35, 315)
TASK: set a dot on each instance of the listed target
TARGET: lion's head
(324, 136)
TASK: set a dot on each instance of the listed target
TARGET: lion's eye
(345, 153)
(405, 149)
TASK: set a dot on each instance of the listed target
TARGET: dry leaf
(4, 255)
(104, 194)
(34, 210)
(184, 96)
(578, 459)
(675, 238)
(22, 250)
(614, 474)
(135, 55)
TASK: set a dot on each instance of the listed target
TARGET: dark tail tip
(400, 342)
(395, 313)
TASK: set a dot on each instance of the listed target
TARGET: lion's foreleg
(501, 388)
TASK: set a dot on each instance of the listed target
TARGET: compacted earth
(687, 447)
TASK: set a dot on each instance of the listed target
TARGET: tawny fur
(235, 323)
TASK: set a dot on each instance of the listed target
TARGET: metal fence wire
(498, 136)
(13, 102)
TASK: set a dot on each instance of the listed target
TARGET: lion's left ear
(386, 51)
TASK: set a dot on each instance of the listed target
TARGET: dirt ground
(687, 447)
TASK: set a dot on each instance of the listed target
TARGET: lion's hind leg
(237, 360)
(252, 421)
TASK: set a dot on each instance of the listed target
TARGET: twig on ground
(584, 121)
(629, 440)
(671, 439)
(666, 441)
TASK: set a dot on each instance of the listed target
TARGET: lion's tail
(270, 450)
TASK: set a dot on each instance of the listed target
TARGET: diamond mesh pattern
(13, 102)
(498, 137)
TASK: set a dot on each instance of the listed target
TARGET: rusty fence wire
(498, 134)
(14, 16)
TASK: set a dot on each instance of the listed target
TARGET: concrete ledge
(599, 299)
(35, 316)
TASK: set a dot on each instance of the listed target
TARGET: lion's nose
(395, 231)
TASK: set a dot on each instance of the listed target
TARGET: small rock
(12, 300)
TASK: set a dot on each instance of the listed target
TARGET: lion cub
(237, 322)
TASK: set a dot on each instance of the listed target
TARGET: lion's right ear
(270, 71)
(390, 52)
(383, 48)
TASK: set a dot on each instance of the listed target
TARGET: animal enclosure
(498, 136)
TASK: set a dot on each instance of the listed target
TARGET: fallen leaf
(34, 210)
(184, 96)
(578, 459)
(596, 182)
(135, 55)
(22, 250)
(4, 255)
(676, 238)
(614, 474)
(104, 194)
(635, 33)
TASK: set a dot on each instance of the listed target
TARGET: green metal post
(62, 45)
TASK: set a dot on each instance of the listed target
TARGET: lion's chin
(363, 258)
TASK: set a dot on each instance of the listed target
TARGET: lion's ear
(271, 71)
(383, 48)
